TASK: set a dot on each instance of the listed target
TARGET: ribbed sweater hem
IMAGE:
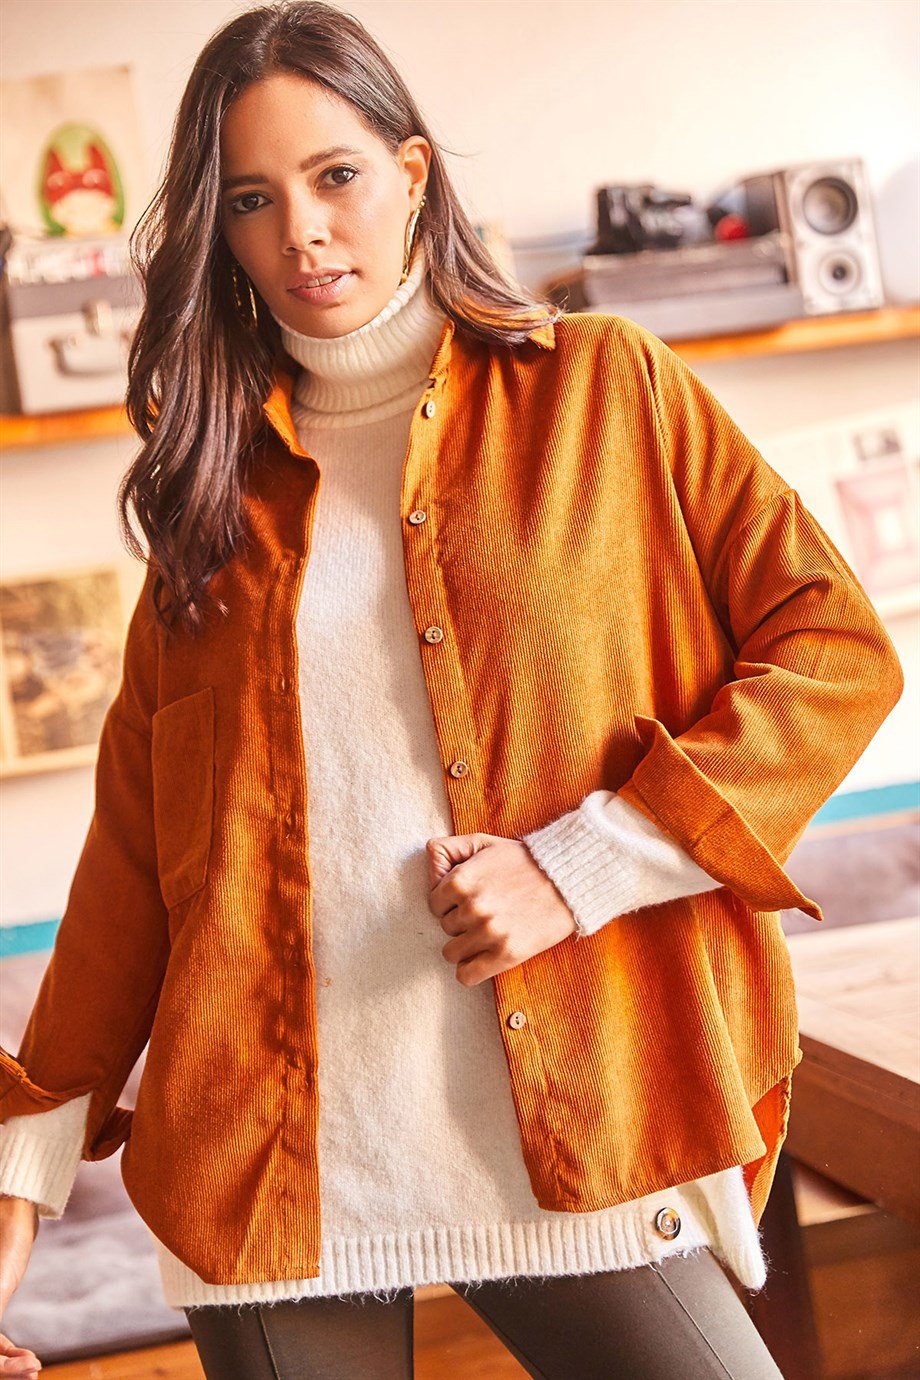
(572, 1244)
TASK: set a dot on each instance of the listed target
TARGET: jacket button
(517, 1019)
(430, 408)
(667, 1223)
(417, 515)
(459, 768)
(283, 684)
(434, 634)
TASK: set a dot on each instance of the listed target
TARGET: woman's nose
(302, 226)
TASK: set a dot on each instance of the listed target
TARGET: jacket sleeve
(815, 671)
(96, 1002)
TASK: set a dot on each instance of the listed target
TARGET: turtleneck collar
(376, 368)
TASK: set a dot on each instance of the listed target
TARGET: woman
(416, 587)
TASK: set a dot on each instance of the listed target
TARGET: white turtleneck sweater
(422, 1177)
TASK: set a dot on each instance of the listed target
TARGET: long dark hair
(197, 377)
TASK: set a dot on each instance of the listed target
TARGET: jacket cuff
(607, 859)
(21, 1095)
(673, 793)
(40, 1155)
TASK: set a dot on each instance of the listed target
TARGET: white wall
(543, 102)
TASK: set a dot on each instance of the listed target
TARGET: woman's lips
(326, 292)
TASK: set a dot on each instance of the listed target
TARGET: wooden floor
(451, 1340)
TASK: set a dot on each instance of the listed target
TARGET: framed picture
(74, 161)
(860, 476)
(62, 638)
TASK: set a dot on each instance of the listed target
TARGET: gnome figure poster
(72, 160)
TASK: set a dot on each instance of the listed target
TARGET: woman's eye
(243, 211)
(345, 169)
(239, 209)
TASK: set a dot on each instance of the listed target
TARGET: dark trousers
(679, 1317)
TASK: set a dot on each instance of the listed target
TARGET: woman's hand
(18, 1226)
(496, 901)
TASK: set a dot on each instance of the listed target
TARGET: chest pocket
(182, 755)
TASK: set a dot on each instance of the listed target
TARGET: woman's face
(308, 189)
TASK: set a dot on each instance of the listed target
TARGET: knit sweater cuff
(40, 1154)
(607, 859)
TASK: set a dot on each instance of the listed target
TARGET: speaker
(824, 212)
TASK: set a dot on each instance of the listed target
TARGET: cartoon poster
(72, 160)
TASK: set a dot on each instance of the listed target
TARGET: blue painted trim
(38, 937)
(876, 800)
(27, 939)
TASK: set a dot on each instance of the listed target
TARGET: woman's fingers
(17, 1361)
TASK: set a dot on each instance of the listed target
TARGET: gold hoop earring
(410, 239)
(248, 315)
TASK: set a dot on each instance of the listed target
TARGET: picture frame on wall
(62, 636)
(75, 162)
(860, 475)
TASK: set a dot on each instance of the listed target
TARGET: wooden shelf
(795, 337)
(62, 428)
(810, 333)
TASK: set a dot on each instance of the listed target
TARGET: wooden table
(855, 1115)
(856, 1094)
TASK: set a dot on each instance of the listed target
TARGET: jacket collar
(277, 406)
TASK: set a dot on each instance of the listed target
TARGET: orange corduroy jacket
(623, 594)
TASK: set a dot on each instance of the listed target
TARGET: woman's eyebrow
(228, 183)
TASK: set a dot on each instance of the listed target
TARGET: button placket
(443, 674)
(291, 1011)
(458, 744)
(287, 570)
(535, 1107)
